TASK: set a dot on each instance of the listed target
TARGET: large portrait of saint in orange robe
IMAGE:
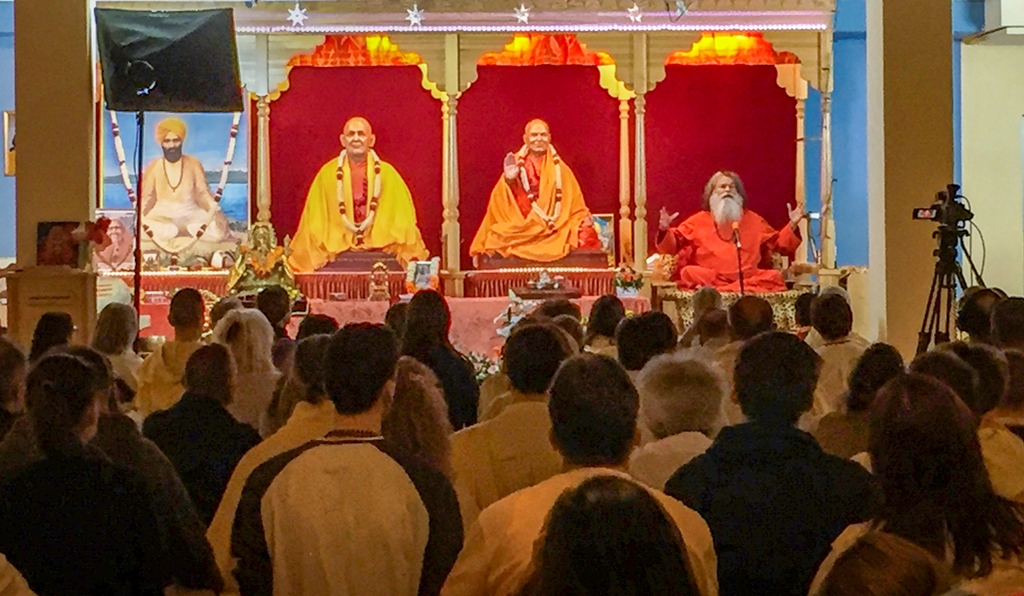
(536, 210)
(714, 244)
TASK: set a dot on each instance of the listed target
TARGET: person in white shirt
(680, 399)
(116, 330)
(832, 318)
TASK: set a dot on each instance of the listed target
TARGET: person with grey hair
(247, 334)
(680, 401)
(704, 300)
(116, 330)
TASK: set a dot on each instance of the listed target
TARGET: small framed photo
(55, 244)
(604, 225)
(120, 254)
(9, 132)
(423, 275)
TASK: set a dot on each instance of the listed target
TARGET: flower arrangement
(90, 236)
(423, 275)
(483, 366)
(627, 278)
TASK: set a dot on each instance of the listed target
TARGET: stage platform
(474, 326)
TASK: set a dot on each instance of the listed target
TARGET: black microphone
(739, 253)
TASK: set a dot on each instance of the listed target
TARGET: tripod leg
(924, 337)
(942, 334)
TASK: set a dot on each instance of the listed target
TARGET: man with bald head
(536, 210)
(357, 202)
(176, 199)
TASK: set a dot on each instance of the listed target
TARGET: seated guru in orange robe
(705, 243)
(356, 202)
(536, 211)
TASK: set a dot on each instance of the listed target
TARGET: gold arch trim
(339, 51)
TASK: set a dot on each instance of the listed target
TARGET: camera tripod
(938, 313)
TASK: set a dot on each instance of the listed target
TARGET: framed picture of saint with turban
(195, 182)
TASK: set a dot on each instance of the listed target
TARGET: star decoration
(635, 13)
(415, 17)
(297, 16)
(522, 14)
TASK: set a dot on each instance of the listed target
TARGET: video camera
(948, 210)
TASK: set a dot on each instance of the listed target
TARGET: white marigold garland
(362, 228)
(532, 193)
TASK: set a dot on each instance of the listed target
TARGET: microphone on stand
(739, 253)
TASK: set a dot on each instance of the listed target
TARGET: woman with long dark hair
(605, 316)
(937, 493)
(428, 323)
(610, 536)
(53, 329)
(74, 523)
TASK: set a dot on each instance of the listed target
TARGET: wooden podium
(37, 290)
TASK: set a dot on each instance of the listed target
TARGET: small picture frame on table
(604, 225)
(9, 132)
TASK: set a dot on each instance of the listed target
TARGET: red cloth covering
(707, 255)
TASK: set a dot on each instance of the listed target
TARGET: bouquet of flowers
(627, 278)
(483, 366)
(90, 236)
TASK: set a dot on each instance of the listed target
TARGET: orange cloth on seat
(707, 255)
(506, 231)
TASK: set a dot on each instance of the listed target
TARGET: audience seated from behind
(248, 336)
(802, 315)
(1008, 324)
(974, 312)
(814, 338)
(1002, 451)
(106, 539)
(883, 564)
(680, 400)
(416, 424)
(395, 319)
(605, 316)
(118, 438)
(561, 306)
(316, 325)
(293, 388)
(610, 536)
(161, 372)
(713, 330)
(704, 300)
(198, 435)
(428, 326)
(53, 329)
(844, 433)
(221, 308)
(773, 499)
(749, 317)
(511, 449)
(573, 330)
(937, 494)
(13, 368)
(1010, 411)
(348, 540)
(643, 337)
(312, 417)
(276, 305)
(833, 320)
(117, 327)
(593, 409)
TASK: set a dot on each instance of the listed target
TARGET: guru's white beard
(726, 209)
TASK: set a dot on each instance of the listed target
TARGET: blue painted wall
(7, 225)
(849, 124)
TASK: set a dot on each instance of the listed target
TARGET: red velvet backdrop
(306, 121)
(584, 121)
(702, 119)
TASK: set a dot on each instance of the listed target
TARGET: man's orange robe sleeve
(675, 242)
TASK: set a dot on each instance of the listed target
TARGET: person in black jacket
(199, 436)
(428, 323)
(773, 499)
(74, 523)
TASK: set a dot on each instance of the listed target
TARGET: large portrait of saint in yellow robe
(356, 202)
